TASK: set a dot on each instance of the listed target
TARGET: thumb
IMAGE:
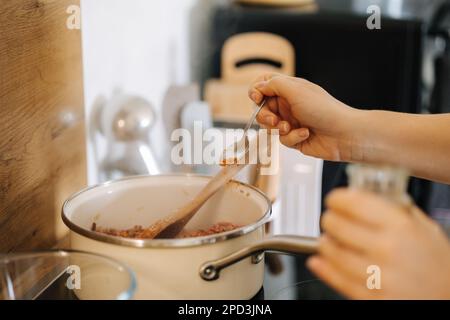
(280, 86)
(424, 219)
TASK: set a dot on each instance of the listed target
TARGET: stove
(286, 278)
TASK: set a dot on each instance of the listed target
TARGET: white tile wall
(140, 46)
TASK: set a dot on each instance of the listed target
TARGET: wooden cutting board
(42, 141)
(246, 56)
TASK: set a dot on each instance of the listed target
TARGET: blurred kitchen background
(171, 55)
(149, 67)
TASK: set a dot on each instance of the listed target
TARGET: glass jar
(388, 181)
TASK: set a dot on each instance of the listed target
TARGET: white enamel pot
(228, 265)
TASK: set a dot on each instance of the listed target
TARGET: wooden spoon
(171, 226)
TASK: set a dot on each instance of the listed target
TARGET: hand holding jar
(362, 229)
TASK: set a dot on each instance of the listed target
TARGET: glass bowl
(64, 275)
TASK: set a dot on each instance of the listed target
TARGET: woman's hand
(313, 122)
(309, 119)
(361, 230)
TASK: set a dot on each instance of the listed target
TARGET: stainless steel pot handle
(210, 270)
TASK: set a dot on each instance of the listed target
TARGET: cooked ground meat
(217, 228)
(138, 232)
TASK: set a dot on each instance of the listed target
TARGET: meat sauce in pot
(139, 232)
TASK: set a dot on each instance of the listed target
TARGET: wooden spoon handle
(217, 182)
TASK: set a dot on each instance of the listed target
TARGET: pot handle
(210, 270)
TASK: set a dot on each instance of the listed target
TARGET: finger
(424, 221)
(280, 107)
(363, 206)
(349, 232)
(350, 262)
(284, 127)
(295, 137)
(336, 279)
(256, 96)
(272, 105)
(268, 118)
(269, 121)
(277, 86)
(272, 114)
(253, 92)
(284, 110)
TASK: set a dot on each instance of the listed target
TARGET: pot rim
(164, 243)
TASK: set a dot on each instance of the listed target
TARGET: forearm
(420, 143)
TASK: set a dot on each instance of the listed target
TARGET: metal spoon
(243, 141)
(171, 226)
